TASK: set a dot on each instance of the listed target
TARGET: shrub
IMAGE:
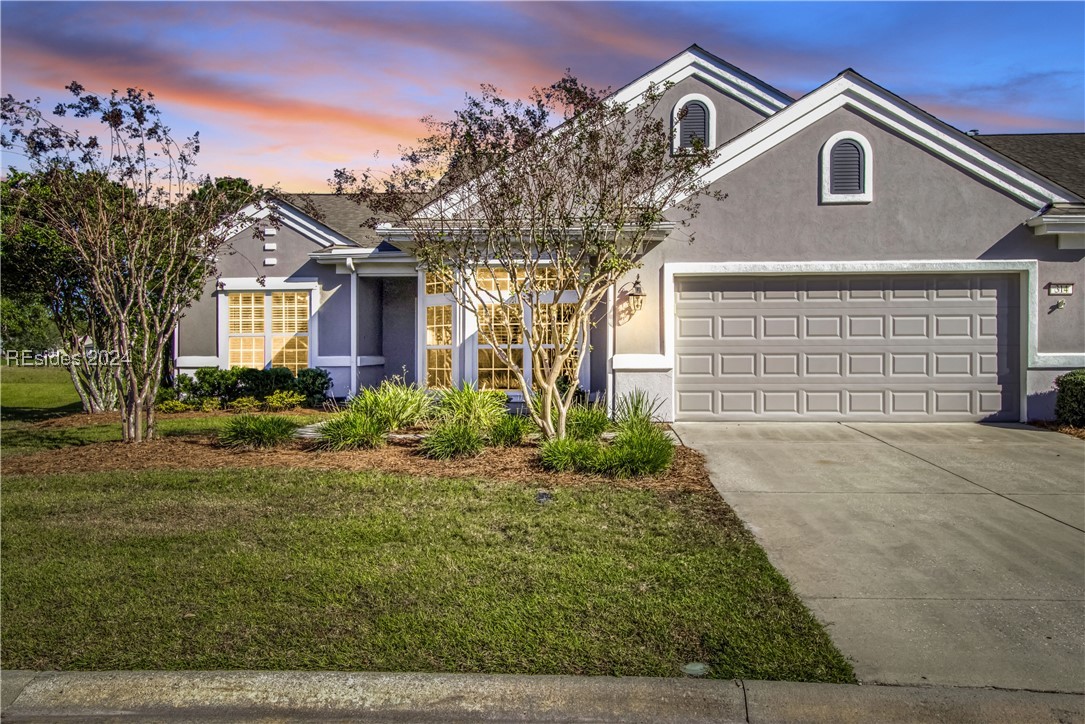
(478, 409)
(566, 453)
(257, 431)
(283, 400)
(165, 394)
(350, 431)
(211, 404)
(454, 439)
(1070, 399)
(261, 383)
(639, 448)
(314, 384)
(395, 404)
(223, 385)
(586, 422)
(635, 406)
(169, 407)
(510, 431)
(244, 405)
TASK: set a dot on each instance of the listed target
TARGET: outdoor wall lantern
(636, 296)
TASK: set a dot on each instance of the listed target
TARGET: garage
(900, 347)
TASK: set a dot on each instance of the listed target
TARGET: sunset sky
(285, 92)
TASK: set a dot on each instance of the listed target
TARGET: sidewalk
(220, 696)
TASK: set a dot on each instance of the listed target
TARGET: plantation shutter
(693, 125)
(846, 168)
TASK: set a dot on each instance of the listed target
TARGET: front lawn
(295, 569)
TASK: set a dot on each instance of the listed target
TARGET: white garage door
(893, 348)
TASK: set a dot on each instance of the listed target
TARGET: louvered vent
(846, 169)
(694, 124)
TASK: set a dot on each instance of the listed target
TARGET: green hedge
(1070, 399)
(226, 386)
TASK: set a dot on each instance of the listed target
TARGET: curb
(218, 696)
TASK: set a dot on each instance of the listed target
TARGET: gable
(853, 92)
(714, 72)
(728, 115)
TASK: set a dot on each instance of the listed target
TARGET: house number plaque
(1059, 290)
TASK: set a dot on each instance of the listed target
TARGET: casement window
(846, 170)
(693, 118)
(268, 329)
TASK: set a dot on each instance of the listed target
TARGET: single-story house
(870, 262)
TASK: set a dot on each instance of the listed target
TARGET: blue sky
(285, 92)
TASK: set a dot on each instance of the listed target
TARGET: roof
(1059, 157)
(340, 214)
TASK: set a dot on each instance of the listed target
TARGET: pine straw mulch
(84, 419)
(520, 464)
(1078, 432)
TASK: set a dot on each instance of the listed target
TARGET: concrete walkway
(210, 696)
(949, 554)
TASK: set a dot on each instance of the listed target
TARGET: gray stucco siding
(731, 116)
(923, 209)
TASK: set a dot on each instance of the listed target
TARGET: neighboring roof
(1057, 156)
(340, 214)
(851, 90)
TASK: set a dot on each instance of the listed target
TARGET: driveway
(949, 554)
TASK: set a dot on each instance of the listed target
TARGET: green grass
(33, 394)
(296, 569)
(28, 394)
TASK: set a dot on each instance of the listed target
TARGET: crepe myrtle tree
(529, 211)
(133, 219)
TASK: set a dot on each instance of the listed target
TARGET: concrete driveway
(949, 554)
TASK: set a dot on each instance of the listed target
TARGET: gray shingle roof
(339, 214)
(1059, 157)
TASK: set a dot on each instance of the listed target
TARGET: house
(869, 263)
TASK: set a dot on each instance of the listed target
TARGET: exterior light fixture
(636, 296)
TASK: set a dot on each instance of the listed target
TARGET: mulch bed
(1078, 432)
(519, 464)
(84, 419)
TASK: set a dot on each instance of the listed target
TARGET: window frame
(710, 121)
(246, 285)
(867, 194)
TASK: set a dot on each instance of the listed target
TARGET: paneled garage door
(895, 348)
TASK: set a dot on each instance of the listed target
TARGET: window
(271, 326)
(693, 117)
(553, 322)
(502, 324)
(846, 170)
(439, 346)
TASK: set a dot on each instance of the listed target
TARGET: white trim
(370, 360)
(724, 77)
(710, 121)
(270, 261)
(641, 363)
(353, 334)
(856, 93)
(1068, 229)
(271, 245)
(271, 284)
(192, 360)
(1027, 268)
(338, 360)
(611, 332)
(288, 215)
(867, 194)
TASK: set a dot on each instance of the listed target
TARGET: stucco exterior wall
(731, 116)
(923, 208)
